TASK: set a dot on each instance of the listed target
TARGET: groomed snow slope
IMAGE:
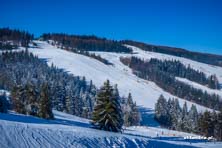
(205, 68)
(20, 131)
(145, 93)
(199, 86)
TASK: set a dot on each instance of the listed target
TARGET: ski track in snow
(21, 131)
(144, 92)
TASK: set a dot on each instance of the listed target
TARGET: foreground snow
(22, 131)
(145, 93)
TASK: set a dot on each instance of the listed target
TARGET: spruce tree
(3, 104)
(45, 110)
(184, 124)
(17, 96)
(219, 124)
(107, 114)
(206, 124)
(193, 118)
(136, 115)
(128, 118)
(31, 102)
(131, 113)
(161, 111)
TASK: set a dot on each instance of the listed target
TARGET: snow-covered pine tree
(68, 104)
(184, 124)
(161, 111)
(136, 115)
(118, 99)
(176, 115)
(128, 111)
(45, 109)
(61, 97)
(31, 101)
(193, 118)
(131, 113)
(219, 124)
(17, 96)
(107, 114)
(205, 124)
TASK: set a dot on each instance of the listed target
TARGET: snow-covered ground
(144, 92)
(4, 92)
(20, 131)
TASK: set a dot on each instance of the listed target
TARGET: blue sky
(191, 24)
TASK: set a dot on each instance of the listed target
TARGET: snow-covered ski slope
(66, 131)
(144, 92)
(206, 68)
(199, 86)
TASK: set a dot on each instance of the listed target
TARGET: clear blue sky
(190, 24)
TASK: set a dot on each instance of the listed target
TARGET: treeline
(33, 101)
(86, 43)
(153, 71)
(177, 69)
(98, 57)
(196, 56)
(37, 88)
(170, 114)
(24, 71)
(11, 39)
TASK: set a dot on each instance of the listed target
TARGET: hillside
(145, 93)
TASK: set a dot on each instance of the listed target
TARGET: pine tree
(161, 111)
(193, 118)
(31, 102)
(206, 124)
(128, 111)
(176, 115)
(131, 113)
(45, 110)
(17, 95)
(68, 104)
(107, 114)
(219, 124)
(136, 115)
(184, 124)
(3, 103)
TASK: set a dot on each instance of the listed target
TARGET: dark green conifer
(45, 110)
(107, 113)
